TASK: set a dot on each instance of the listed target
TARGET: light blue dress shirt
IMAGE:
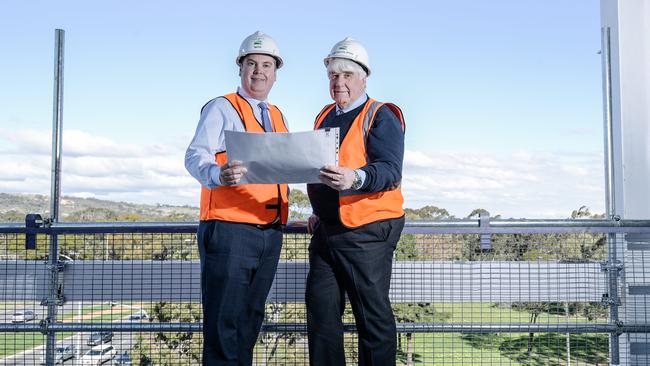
(217, 116)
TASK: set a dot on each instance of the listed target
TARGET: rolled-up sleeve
(208, 140)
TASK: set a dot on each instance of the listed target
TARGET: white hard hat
(259, 42)
(351, 50)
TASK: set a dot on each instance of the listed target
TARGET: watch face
(356, 184)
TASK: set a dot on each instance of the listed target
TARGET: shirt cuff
(215, 171)
(362, 176)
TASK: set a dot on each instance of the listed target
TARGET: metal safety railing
(483, 291)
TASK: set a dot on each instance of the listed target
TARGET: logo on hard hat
(257, 43)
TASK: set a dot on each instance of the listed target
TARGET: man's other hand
(232, 172)
(337, 177)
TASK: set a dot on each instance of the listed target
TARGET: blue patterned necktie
(265, 117)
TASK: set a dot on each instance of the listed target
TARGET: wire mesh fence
(531, 295)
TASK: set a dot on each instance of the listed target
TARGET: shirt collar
(362, 99)
(250, 99)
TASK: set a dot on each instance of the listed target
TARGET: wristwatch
(356, 183)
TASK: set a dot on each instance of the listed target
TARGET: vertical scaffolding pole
(610, 198)
(57, 122)
(52, 300)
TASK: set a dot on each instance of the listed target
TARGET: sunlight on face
(257, 74)
(346, 87)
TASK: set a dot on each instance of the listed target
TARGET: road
(32, 357)
(121, 341)
(65, 311)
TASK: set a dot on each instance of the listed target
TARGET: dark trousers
(238, 264)
(357, 262)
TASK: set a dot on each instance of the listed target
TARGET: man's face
(257, 74)
(346, 87)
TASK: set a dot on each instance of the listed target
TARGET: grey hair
(340, 65)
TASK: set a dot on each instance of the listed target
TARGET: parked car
(139, 316)
(98, 355)
(62, 354)
(99, 338)
(123, 359)
(23, 316)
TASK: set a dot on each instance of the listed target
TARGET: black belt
(276, 224)
(268, 226)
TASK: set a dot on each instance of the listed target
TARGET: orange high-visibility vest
(248, 203)
(358, 208)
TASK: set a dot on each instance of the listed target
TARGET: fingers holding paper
(337, 177)
(232, 172)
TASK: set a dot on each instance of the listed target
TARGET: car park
(23, 316)
(123, 359)
(98, 355)
(62, 354)
(97, 338)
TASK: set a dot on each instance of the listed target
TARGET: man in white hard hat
(240, 231)
(358, 217)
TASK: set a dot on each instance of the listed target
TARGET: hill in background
(14, 207)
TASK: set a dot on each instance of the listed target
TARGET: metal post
(610, 198)
(53, 261)
(568, 335)
(57, 125)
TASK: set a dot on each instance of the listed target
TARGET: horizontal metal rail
(349, 327)
(417, 281)
(411, 227)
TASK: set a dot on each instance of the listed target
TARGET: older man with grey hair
(358, 217)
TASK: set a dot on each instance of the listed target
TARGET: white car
(139, 316)
(98, 355)
(23, 316)
(63, 353)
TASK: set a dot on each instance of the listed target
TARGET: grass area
(503, 348)
(12, 343)
(425, 348)
(11, 306)
(463, 349)
(506, 348)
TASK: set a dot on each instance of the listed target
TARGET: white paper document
(283, 157)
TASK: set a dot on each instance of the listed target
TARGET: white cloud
(95, 166)
(529, 184)
(521, 184)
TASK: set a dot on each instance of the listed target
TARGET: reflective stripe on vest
(358, 208)
(247, 203)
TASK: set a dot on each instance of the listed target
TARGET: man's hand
(232, 172)
(337, 177)
(311, 224)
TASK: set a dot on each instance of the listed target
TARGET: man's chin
(342, 102)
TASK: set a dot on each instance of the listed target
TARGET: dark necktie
(265, 117)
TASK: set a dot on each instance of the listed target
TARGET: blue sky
(502, 98)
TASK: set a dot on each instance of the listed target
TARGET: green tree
(428, 213)
(476, 213)
(299, 205)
